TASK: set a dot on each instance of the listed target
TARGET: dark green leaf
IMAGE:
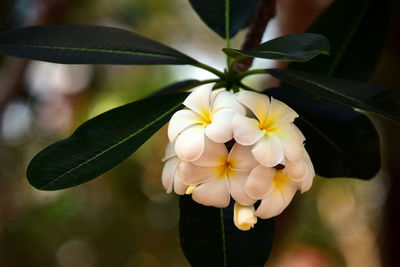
(78, 44)
(101, 143)
(291, 47)
(225, 17)
(341, 142)
(364, 96)
(356, 42)
(177, 87)
(210, 238)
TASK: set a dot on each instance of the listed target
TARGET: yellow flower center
(205, 118)
(280, 180)
(265, 126)
(226, 168)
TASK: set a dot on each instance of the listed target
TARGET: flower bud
(243, 217)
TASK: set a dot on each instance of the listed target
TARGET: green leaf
(210, 238)
(101, 143)
(291, 47)
(78, 44)
(364, 96)
(225, 17)
(341, 142)
(177, 87)
(356, 42)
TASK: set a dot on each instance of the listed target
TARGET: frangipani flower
(273, 133)
(209, 114)
(219, 175)
(276, 187)
(243, 217)
(170, 174)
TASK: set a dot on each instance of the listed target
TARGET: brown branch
(265, 12)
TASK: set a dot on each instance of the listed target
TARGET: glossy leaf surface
(291, 47)
(356, 42)
(341, 142)
(177, 87)
(210, 238)
(225, 17)
(79, 44)
(364, 96)
(101, 143)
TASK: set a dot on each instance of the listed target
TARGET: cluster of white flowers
(243, 146)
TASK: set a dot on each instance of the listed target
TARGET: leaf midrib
(111, 147)
(110, 51)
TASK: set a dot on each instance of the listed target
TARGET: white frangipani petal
(220, 130)
(168, 174)
(213, 193)
(189, 145)
(240, 157)
(267, 161)
(214, 154)
(268, 151)
(273, 205)
(257, 103)
(181, 120)
(297, 170)
(225, 99)
(214, 93)
(169, 152)
(280, 113)
(192, 174)
(260, 182)
(179, 187)
(199, 99)
(237, 181)
(243, 217)
(291, 141)
(245, 130)
(310, 174)
(282, 193)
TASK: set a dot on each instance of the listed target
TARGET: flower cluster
(242, 145)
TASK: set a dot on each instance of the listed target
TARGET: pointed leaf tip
(101, 143)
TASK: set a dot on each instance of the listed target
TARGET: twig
(265, 12)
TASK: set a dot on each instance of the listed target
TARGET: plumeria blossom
(244, 217)
(170, 174)
(219, 174)
(267, 161)
(277, 187)
(272, 132)
(207, 114)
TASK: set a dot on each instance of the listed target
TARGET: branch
(265, 12)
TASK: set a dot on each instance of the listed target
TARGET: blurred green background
(124, 218)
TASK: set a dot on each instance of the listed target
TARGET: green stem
(243, 74)
(242, 85)
(210, 69)
(201, 83)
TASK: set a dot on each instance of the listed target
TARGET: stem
(265, 12)
(227, 24)
(210, 69)
(247, 87)
(200, 83)
(227, 30)
(244, 74)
